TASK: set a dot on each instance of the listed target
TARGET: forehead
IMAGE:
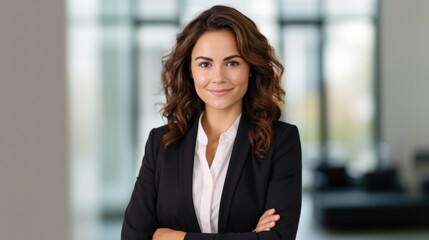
(218, 42)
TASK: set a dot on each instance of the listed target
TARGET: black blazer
(162, 196)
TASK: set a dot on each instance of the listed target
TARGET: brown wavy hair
(264, 98)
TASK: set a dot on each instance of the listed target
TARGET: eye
(232, 63)
(204, 64)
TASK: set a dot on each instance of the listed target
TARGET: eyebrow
(225, 59)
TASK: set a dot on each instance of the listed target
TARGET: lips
(220, 92)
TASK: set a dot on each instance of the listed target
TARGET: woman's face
(220, 74)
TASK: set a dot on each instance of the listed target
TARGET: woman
(224, 166)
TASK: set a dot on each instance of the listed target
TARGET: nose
(218, 75)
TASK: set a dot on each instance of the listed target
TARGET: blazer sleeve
(284, 192)
(140, 220)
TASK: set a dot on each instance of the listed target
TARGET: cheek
(241, 79)
(244, 88)
(199, 82)
(199, 89)
(200, 79)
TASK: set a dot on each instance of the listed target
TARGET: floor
(308, 230)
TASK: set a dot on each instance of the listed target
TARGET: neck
(216, 122)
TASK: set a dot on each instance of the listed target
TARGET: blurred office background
(80, 86)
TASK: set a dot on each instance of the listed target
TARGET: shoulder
(285, 132)
(159, 131)
(155, 136)
(286, 146)
(281, 127)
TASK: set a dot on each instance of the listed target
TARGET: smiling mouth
(220, 92)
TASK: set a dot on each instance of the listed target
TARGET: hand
(267, 221)
(168, 234)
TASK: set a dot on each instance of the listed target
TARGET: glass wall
(115, 51)
(102, 117)
(301, 51)
(329, 54)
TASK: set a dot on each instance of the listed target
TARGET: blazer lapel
(236, 164)
(186, 168)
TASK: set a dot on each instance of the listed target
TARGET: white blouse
(208, 181)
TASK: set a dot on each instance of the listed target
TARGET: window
(329, 55)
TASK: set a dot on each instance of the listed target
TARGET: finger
(269, 212)
(264, 220)
(265, 227)
(268, 219)
(267, 223)
(266, 214)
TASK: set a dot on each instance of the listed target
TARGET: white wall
(33, 122)
(405, 79)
